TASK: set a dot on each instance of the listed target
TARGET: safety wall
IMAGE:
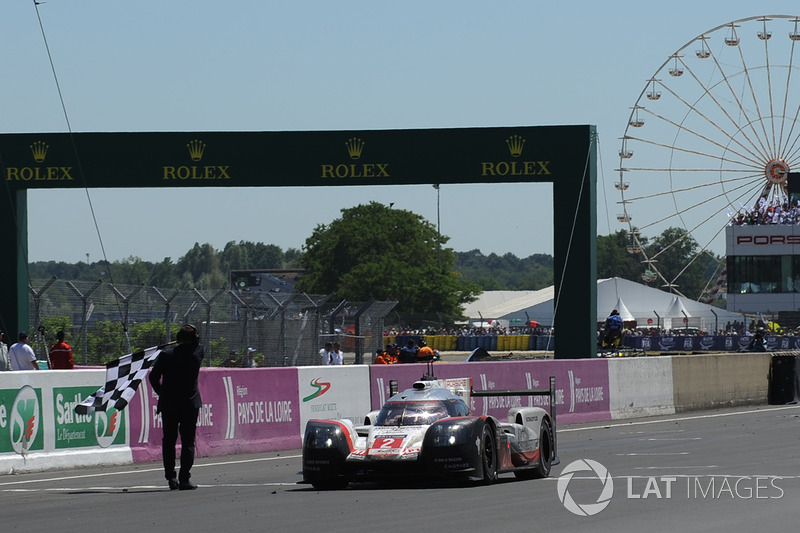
(720, 380)
(39, 429)
(255, 409)
(266, 409)
(641, 386)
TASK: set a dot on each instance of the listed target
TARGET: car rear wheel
(542, 468)
(488, 455)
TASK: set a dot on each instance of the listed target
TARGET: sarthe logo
(25, 413)
(321, 386)
(598, 470)
(106, 426)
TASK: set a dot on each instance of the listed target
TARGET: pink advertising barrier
(581, 385)
(244, 411)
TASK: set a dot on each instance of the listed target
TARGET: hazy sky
(273, 66)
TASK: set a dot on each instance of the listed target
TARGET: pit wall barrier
(266, 409)
(39, 429)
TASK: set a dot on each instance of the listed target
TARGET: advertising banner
(244, 410)
(582, 391)
(333, 392)
(21, 428)
(101, 428)
(716, 343)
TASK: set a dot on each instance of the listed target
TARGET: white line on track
(140, 487)
(157, 469)
(660, 439)
(677, 419)
(649, 454)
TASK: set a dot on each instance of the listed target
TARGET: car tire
(488, 455)
(542, 468)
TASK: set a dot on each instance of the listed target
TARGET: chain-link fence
(103, 321)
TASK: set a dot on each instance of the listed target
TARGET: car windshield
(412, 413)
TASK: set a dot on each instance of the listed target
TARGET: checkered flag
(122, 379)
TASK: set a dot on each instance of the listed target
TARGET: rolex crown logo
(196, 149)
(515, 144)
(39, 150)
(354, 147)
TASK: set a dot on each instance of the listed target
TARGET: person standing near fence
(326, 354)
(337, 354)
(5, 362)
(174, 379)
(22, 355)
(61, 354)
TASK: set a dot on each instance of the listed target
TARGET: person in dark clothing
(613, 329)
(174, 379)
(408, 353)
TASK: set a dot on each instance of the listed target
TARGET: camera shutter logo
(587, 509)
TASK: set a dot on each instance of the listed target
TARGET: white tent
(676, 309)
(647, 305)
(623, 311)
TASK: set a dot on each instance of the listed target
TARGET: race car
(428, 430)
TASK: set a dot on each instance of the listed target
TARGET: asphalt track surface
(726, 470)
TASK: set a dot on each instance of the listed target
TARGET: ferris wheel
(714, 132)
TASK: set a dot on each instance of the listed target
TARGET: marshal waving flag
(122, 379)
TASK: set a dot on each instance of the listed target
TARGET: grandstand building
(763, 268)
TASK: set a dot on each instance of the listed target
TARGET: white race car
(428, 430)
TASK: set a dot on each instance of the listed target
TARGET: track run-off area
(734, 469)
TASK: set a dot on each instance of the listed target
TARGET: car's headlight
(448, 434)
(322, 437)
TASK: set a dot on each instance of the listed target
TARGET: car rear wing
(551, 392)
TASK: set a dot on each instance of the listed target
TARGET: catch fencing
(102, 321)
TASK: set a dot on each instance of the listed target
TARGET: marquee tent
(648, 306)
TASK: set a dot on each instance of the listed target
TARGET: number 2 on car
(387, 444)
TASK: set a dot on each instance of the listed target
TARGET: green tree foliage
(614, 260)
(374, 251)
(249, 256)
(680, 261)
(201, 267)
(107, 340)
(506, 272)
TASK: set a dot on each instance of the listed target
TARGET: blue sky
(321, 65)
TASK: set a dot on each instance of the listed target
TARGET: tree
(200, 268)
(248, 255)
(675, 250)
(506, 272)
(374, 251)
(614, 260)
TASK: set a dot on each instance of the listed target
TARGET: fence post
(85, 316)
(126, 303)
(207, 303)
(37, 297)
(167, 319)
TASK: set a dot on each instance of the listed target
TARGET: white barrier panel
(333, 392)
(640, 386)
(39, 429)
